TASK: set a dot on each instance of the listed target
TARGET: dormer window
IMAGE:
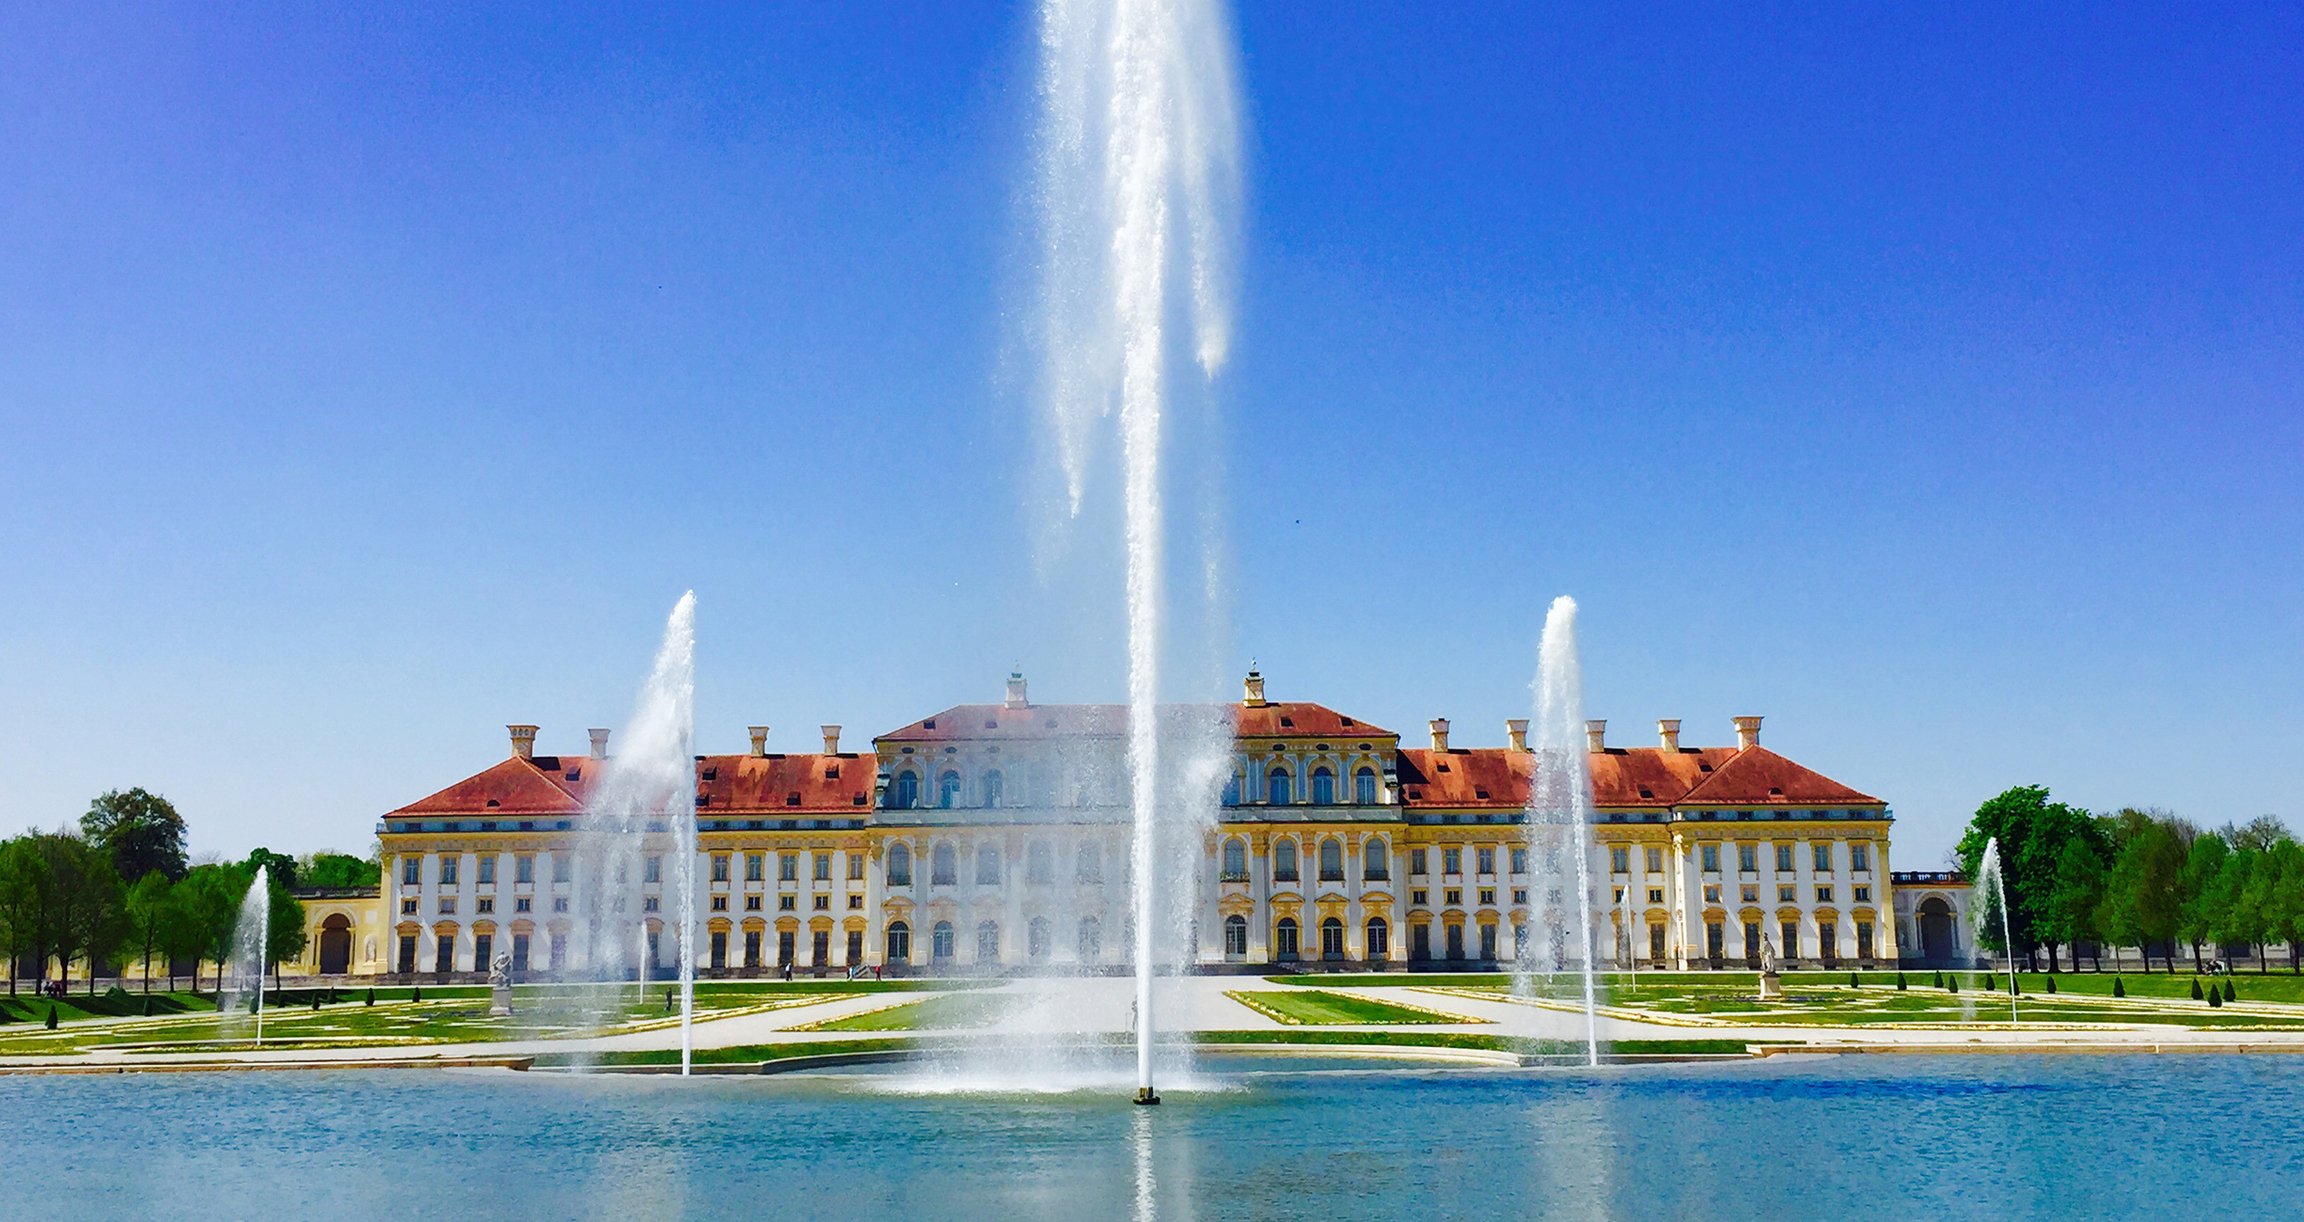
(831, 772)
(1348, 723)
(573, 774)
(1481, 794)
(711, 774)
(1441, 767)
(1289, 722)
(493, 803)
(1645, 792)
(929, 724)
(792, 799)
(991, 723)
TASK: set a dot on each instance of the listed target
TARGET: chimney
(523, 741)
(1439, 734)
(1516, 732)
(1596, 734)
(1016, 698)
(759, 740)
(1668, 733)
(1254, 687)
(599, 743)
(831, 740)
(1747, 733)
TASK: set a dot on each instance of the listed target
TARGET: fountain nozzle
(1144, 1095)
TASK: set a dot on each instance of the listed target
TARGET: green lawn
(954, 1012)
(757, 1053)
(1318, 1007)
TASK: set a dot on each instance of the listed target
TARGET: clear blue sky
(1929, 380)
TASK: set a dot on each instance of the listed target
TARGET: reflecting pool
(2066, 1136)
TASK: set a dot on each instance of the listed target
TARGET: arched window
(940, 942)
(1091, 940)
(1235, 860)
(1379, 938)
(993, 785)
(899, 865)
(1235, 935)
(1276, 789)
(988, 942)
(1364, 787)
(907, 794)
(1284, 939)
(1090, 868)
(1323, 787)
(944, 867)
(1232, 790)
(1040, 863)
(1036, 939)
(948, 790)
(1332, 939)
(1283, 861)
(1375, 864)
(987, 865)
(899, 942)
(1331, 860)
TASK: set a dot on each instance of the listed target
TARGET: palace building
(995, 838)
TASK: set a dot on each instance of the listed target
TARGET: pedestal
(500, 1001)
(1771, 987)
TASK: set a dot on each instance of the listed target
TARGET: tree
(24, 889)
(280, 867)
(2284, 909)
(285, 938)
(139, 831)
(2202, 907)
(212, 896)
(2032, 831)
(2074, 896)
(2259, 833)
(151, 906)
(337, 870)
(86, 915)
(2142, 901)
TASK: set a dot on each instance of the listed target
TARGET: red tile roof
(753, 785)
(1623, 777)
(1279, 719)
(545, 785)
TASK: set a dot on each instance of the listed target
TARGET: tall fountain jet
(1990, 906)
(251, 939)
(1559, 822)
(644, 809)
(1138, 181)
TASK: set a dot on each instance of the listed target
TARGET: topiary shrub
(1853, 982)
(2015, 987)
(2051, 984)
(2230, 993)
(2118, 989)
(2216, 998)
(1951, 983)
(2195, 990)
(417, 993)
(1899, 982)
(51, 1016)
(371, 996)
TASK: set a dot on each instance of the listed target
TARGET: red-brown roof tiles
(1279, 719)
(545, 785)
(1634, 777)
(784, 784)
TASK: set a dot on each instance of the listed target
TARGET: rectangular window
(1453, 897)
(1828, 942)
(1748, 858)
(1751, 893)
(1824, 895)
(1859, 861)
(524, 869)
(1655, 861)
(719, 903)
(751, 903)
(1711, 893)
(788, 867)
(1863, 939)
(523, 904)
(1519, 861)
(411, 871)
(1620, 861)
(1418, 898)
(1783, 859)
(560, 867)
(1862, 895)
(408, 906)
(1709, 854)
(1789, 931)
(1823, 859)
(855, 866)
(755, 867)
(1486, 860)
(823, 903)
(719, 867)
(785, 903)
(1451, 861)
(487, 869)
(559, 903)
(1488, 896)
(1655, 895)
(652, 870)
(448, 864)
(485, 904)
(1416, 862)
(1788, 893)
(823, 867)
(1656, 943)
(855, 903)
(651, 903)
(1519, 895)
(447, 905)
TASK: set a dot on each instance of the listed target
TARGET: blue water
(1819, 1138)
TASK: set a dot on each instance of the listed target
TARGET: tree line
(121, 888)
(2142, 878)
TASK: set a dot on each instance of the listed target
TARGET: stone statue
(500, 972)
(1767, 956)
(1771, 987)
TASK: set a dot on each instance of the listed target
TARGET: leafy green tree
(140, 831)
(285, 937)
(2284, 905)
(337, 870)
(24, 887)
(212, 895)
(2243, 900)
(86, 908)
(2032, 831)
(281, 867)
(2259, 833)
(2202, 908)
(2074, 896)
(2142, 896)
(151, 905)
